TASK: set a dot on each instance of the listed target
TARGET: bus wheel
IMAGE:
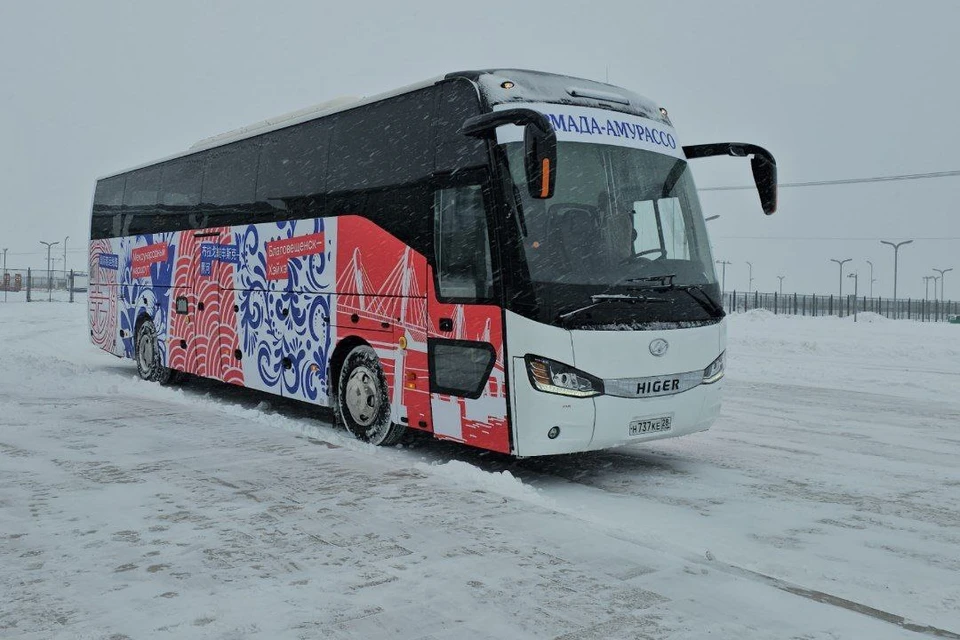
(363, 404)
(148, 356)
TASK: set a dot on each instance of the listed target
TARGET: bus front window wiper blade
(665, 279)
(703, 299)
(602, 298)
(708, 303)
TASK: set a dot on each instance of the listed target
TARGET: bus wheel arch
(361, 398)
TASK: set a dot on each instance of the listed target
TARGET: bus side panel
(145, 285)
(480, 422)
(196, 278)
(103, 297)
(231, 368)
(284, 292)
(381, 298)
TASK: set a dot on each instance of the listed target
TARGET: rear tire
(147, 355)
(363, 404)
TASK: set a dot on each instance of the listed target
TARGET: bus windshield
(621, 221)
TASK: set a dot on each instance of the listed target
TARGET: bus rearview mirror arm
(539, 144)
(762, 163)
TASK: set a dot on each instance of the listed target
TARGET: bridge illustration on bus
(509, 259)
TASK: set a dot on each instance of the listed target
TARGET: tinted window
(458, 101)
(387, 143)
(140, 202)
(180, 192)
(404, 212)
(106, 208)
(180, 185)
(292, 171)
(462, 244)
(142, 187)
(229, 184)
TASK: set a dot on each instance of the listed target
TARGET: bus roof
(498, 86)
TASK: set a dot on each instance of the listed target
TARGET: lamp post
(723, 281)
(49, 274)
(65, 256)
(856, 278)
(942, 281)
(781, 285)
(841, 263)
(896, 257)
(926, 287)
(872, 279)
(5, 274)
(750, 288)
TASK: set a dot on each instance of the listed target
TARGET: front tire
(147, 355)
(363, 403)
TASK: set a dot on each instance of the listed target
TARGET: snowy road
(824, 504)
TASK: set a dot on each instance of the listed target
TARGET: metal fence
(35, 285)
(817, 305)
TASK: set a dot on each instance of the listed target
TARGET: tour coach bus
(510, 259)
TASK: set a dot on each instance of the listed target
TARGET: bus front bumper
(601, 422)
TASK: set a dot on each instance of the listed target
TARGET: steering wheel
(662, 252)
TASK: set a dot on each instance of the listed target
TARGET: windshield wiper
(666, 279)
(706, 302)
(602, 298)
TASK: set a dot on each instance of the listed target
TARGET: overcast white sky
(834, 90)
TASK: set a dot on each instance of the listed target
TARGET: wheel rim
(146, 350)
(362, 396)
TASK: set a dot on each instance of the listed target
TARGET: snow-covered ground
(825, 503)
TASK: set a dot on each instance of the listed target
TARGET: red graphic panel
(279, 253)
(381, 297)
(202, 327)
(481, 422)
(143, 257)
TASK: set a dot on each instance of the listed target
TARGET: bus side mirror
(539, 144)
(762, 163)
(540, 160)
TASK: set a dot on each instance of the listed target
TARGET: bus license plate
(650, 425)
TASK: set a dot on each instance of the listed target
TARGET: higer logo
(658, 386)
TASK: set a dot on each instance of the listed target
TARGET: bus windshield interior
(620, 220)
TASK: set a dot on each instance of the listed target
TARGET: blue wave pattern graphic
(146, 295)
(288, 318)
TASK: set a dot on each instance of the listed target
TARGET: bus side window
(462, 244)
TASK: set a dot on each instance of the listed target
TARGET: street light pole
(723, 282)
(750, 288)
(5, 287)
(841, 263)
(856, 278)
(65, 257)
(896, 256)
(872, 280)
(781, 285)
(942, 281)
(926, 287)
(49, 274)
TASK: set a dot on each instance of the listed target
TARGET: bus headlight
(715, 371)
(555, 377)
